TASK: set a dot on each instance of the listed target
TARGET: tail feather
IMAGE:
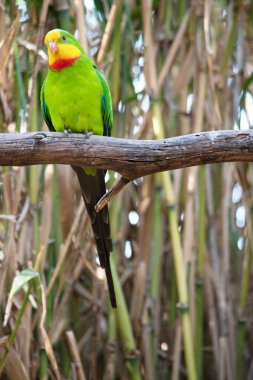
(109, 278)
(93, 188)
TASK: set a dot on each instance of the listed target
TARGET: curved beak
(52, 45)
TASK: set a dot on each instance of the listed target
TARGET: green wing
(106, 104)
(45, 110)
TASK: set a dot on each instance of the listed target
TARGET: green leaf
(22, 279)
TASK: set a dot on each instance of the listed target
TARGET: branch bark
(130, 158)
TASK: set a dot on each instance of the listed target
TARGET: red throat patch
(61, 63)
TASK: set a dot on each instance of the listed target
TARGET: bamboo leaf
(21, 279)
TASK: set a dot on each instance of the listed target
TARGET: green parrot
(75, 97)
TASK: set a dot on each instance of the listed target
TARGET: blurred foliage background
(182, 260)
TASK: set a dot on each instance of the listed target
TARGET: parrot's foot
(87, 134)
(67, 131)
(39, 135)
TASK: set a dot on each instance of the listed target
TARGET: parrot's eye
(64, 38)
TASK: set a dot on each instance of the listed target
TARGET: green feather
(106, 104)
(77, 97)
(45, 111)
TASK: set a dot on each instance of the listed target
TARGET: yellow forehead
(52, 35)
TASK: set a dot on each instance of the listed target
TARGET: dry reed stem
(181, 81)
(138, 298)
(191, 178)
(46, 212)
(73, 262)
(39, 41)
(67, 188)
(108, 31)
(46, 340)
(14, 367)
(65, 248)
(145, 213)
(213, 322)
(173, 50)
(150, 55)
(81, 24)
(6, 45)
(207, 26)
(146, 346)
(177, 351)
(71, 340)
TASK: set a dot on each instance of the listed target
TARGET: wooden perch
(130, 158)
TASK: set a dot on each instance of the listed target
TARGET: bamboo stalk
(241, 324)
(125, 329)
(200, 274)
(155, 268)
(178, 258)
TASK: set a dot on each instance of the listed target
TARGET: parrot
(75, 97)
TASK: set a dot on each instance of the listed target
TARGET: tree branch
(130, 158)
(107, 197)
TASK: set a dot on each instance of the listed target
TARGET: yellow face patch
(53, 35)
(58, 50)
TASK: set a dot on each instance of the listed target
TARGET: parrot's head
(63, 49)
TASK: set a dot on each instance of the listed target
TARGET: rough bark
(130, 158)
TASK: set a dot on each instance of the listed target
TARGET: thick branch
(131, 158)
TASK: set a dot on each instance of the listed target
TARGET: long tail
(93, 188)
